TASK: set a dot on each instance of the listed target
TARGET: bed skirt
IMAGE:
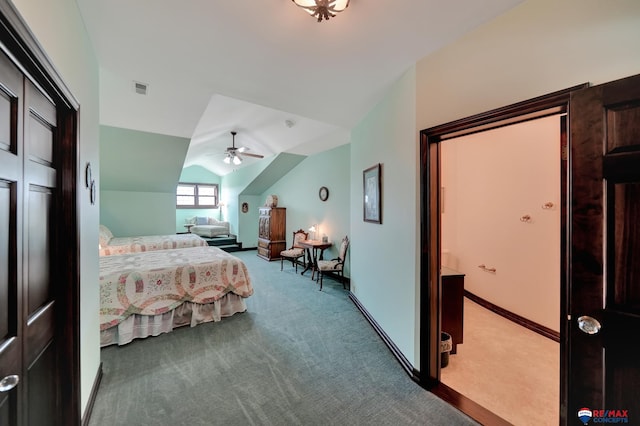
(141, 326)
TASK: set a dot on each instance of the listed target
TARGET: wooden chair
(335, 265)
(296, 251)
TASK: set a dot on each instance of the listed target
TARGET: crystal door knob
(589, 325)
(9, 382)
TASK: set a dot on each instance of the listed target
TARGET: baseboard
(457, 400)
(404, 362)
(467, 406)
(524, 322)
(342, 280)
(92, 397)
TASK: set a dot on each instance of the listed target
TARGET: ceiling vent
(140, 88)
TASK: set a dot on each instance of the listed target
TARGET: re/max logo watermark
(603, 416)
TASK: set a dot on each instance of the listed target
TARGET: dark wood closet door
(11, 154)
(28, 196)
(40, 195)
(604, 260)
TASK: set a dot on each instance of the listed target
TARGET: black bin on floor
(446, 344)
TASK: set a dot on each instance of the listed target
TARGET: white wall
(492, 179)
(539, 47)
(59, 29)
(384, 257)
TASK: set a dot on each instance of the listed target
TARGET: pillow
(213, 221)
(104, 236)
(200, 220)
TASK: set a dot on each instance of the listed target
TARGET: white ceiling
(213, 66)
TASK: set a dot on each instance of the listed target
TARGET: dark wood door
(28, 195)
(11, 89)
(604, 260)
(40, 195)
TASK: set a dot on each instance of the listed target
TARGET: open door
(603, 351)
(430, 199)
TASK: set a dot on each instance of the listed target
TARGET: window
(196, 195)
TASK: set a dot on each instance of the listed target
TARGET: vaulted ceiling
(265, 69)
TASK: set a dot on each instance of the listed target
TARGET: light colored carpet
(298, 356)
(506, 368)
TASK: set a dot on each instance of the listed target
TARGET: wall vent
(140, 88)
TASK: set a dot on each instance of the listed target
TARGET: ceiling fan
(233, 153)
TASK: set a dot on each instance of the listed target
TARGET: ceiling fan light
(237, 160)
(227, 160)
(322, 9)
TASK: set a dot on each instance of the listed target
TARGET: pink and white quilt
(123, 245)
(155, 282)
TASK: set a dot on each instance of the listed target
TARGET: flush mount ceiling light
(322, 9)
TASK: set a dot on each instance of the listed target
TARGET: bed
(149, 293)
(110, 245)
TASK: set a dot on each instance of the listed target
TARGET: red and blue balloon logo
(584, 414)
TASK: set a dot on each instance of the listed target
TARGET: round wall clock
(323, 193)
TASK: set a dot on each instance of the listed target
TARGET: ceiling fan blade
(247, 154)
(233, 153)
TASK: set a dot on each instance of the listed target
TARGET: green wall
(384, 256)
(131, 160)
(298, 192)
(244, 225)
(131, 213)
(139, 172)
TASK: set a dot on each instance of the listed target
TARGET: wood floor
(506, 368)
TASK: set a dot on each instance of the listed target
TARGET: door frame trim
(430, 139)
(20, 44)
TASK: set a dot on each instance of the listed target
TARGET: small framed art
(372, 196)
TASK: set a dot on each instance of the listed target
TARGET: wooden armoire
(272, 226)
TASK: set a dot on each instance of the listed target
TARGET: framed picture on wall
(372, 196)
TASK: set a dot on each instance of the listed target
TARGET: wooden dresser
(452, 305)
(272, 227)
